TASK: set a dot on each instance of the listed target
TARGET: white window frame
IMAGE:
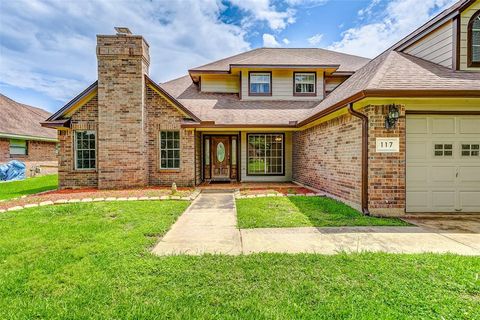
(169, 149)
(75, 150)
(472, 152)
(252, 74)
(440, 147)
(14, 143)
(295, 82)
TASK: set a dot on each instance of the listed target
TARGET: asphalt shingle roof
(290, 57)
(21, 119)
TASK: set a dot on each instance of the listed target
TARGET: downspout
(194, 157)
(364, 120)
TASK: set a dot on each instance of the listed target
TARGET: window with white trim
(443, 150)
(260, 83)
(85, 150)
(304, 83)
(18, 147)
(265, 154)
(169, 150)
(470, 149)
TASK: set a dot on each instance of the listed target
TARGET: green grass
(301, 211)
(15, 189)
(92, 261)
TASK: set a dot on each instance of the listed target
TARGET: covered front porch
(242, 157)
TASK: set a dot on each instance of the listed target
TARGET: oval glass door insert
(220, 152)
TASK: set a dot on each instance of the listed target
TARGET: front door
(221, 158)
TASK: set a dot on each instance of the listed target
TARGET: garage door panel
(469, 174)
(443, 199)
(469, 125)
(443, 174)
(418, 199)
(417, 125)
(417, 175)
(469, 201)
(417, 150)
(443, 125)
(437, 181)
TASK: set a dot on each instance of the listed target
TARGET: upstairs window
(474, 40)
(18, 147)
(304, 83)
(260, 83)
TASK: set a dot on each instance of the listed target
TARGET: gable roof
(397, 74)
(58, 118)
(19, 119)
(85, 93)
(295, 57)
(433, 23)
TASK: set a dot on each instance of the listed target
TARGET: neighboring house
(399, 133)
(23, 138)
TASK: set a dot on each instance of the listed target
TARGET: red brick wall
(122, 155)
(328, 157)
(37, 151)
(4, 150)
(85, 118)
(163, 116)
(386, 171)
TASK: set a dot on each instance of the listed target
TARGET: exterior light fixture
(392, 117)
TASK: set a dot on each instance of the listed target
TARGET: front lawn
(92, 261)
(15, 189)
(303, 212)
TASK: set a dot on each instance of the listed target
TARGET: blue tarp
(14, 170)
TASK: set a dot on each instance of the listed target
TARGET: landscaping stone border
(238, 195)
(193, 196)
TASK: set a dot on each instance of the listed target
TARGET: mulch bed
(289, 190)
(69, 194)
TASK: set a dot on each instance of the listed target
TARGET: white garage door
(443, 163)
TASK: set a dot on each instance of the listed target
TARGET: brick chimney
(123, 61)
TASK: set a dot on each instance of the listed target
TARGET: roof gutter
(212, 125)
(56, 124)
(385, 93)
(364, 120)
(26, 137)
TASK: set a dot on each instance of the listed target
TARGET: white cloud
(307, 3)
(49, 46)
(264, 10)
(270, 41)
(286, 41)
(368, 9)
(315, 40)
(399, 19)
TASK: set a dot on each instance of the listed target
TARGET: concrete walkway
(209, 226)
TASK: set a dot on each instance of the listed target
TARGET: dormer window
(474, 40)
(259, 83)
(304, 84)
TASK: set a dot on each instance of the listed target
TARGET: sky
(47, 47)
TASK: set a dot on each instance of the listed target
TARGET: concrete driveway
(209, 226)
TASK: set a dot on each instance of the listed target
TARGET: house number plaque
(387, 145)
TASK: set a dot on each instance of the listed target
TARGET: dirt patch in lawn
(69, 194)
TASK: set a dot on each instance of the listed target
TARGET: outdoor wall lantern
(392, 117)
